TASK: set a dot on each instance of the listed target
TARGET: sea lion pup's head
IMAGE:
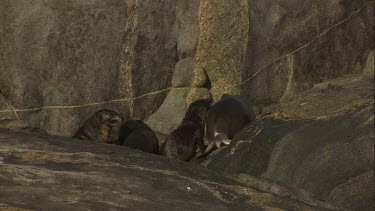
(197, 111)
(108, 117)
(98, 126)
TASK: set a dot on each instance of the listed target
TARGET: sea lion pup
(138, 135)
(183, 142)
(98, 127)
(225, 118)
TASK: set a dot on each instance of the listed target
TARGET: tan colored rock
(188, 27)
(188, 73)
(55, 173)
(223, 43)
(369, 67)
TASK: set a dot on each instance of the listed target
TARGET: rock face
(188, 74)
(45, 173)
(62, 61)
(356, 194)
(223, 39)
(322, 141)
(295, 44)
(189, 80)
(149, 53)
(188, 27)
(65, 54)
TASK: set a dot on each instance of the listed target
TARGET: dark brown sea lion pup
(98, 126)
(183, 142)
(138, 135)
(225, 118)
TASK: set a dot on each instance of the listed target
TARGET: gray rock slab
(188, 27)
(297, 44)
(316, 142)
(356, 193)
(59, 54)
(188, 73)
(222, 44)
(150, 53)
(45, 173)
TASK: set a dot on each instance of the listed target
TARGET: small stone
(188, 74)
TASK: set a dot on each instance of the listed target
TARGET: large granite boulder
(321, 141)
(49, 173)
(270, 50)
(294, 44)
(223, 41)
(60, 61)
(149, 54)
(187, 27)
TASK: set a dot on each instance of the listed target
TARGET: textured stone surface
(70, 59)
(295, 44)
(149, 53)
(46, 173)
(57, 53)
(121, 55)
(355, 194)
(317, 141)
(188, 74)
(369, 67)
(60, 61)
(188, 27)
(223, 40)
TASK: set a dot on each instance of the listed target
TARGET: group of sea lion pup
(203, 129)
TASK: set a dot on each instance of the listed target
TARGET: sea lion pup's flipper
(201, 154)
(211, 147)
(225, 142)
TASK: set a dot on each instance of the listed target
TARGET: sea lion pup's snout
(98, 126)
(111, 118)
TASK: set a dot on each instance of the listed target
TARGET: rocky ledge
(312, 152)
(321, 141)
(45, 173)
